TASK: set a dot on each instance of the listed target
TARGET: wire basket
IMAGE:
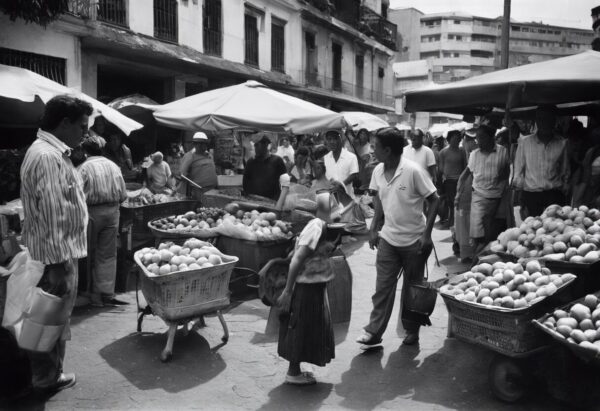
(508, 332)
(187, 294)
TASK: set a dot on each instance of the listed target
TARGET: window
(212, 30)
(277, 45)
(165, 20)
(251, 40)
(311, 68)
(516, 28)
(456, 55)
(525, 29)
(113, 11)
(456, 21)
(429, 54)
(336, 68)
(446, 54)
(359, 62)
(49, 67)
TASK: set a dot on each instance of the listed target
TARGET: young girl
(306, 333)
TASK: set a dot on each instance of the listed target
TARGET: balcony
(165, 20)
(347, 11)
(336, 85)
(107, 11)
(374, 25)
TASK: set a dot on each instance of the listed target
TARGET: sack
(25, 275)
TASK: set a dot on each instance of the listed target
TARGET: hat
(200, 137)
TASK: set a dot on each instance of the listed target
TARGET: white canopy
(24, 85)
(359, 120)
(248, 105)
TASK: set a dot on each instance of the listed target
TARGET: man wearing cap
(541, 167)
(340, 164)
(198, 165)
(262, 173)
(489, 166)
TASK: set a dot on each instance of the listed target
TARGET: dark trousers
(449, 189)
(536, 201)
(389, 261)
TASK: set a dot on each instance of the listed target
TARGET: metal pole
(505, 35)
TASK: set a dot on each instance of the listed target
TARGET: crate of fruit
(493, 305)
(139, 217)
(181, 282)
(576, 326)
(201, 223)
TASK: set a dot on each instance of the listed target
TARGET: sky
(568, 13)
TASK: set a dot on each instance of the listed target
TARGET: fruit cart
(508, 332)
(184, 297)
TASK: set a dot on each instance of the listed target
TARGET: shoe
(64, 381)
(411, 339)
(96, 300)
(82, 301)
(304, 378)
(113, 302)
(368, 339)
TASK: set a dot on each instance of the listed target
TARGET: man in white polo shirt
(403, 237)
(340, 164)
(421, 154)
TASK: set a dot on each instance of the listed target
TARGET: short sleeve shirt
(402, 200)
(486, 169)
(423, 156)
(346, 165)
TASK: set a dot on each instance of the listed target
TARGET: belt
(108, 204)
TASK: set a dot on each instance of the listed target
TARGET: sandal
(368, 339)
(304, 378)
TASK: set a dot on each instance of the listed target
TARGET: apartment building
(335, 53)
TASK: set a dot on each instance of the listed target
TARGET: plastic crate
(508, 332)
(588, 280)
(187, 294)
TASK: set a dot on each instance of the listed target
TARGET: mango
(578, 336)
(591, 335)
(586, 324)
(560, 314)
(590, 346)
(487, 300)
(564, 330)
(580, 312)
(590, 301)
(568, 321)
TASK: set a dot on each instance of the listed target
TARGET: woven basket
(174, 233)
(187, 294)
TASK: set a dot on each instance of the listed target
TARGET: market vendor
(158, 174)
(341, 165)
(262, 173)
(199, 166)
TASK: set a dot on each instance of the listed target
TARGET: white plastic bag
(25, 275)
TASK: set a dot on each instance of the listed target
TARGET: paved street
(118, 368)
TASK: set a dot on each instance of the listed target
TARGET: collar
(399, 169)
(54, 142)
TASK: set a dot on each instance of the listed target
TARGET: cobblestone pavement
(118, 368)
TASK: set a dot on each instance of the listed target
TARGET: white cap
(199, 136)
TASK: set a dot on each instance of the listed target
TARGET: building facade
(337, 54)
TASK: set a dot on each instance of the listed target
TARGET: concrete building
(338, 56)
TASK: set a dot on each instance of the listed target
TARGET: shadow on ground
(286, 397)
(194, 362)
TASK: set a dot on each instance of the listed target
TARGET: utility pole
(505, 35)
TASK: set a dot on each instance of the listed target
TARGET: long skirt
(306, 332)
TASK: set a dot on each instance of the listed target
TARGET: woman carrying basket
(306, 332)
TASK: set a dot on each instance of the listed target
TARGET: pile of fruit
(254, 226)
(144, 197)
(560, 233)
(169, 258)
(580, 324)
(508, 285)
(202, 219)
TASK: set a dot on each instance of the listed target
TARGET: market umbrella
(569, 79)
(359, 120)
(248, 105)
(439, 129)
(23, 94)
(403, 127)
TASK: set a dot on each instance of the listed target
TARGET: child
(306, 333)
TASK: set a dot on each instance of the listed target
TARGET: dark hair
(596, 43)
(60, 107)
(333, 134)
(391, 137)
(320, 151)
(92, 147)
(302, 151)
(452, 133)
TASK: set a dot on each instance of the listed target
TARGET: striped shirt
(102, 181)
(490, 171)
(539, 166)
(55, 224)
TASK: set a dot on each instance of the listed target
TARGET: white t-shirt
(402, 200)
(286, 151)
(346, 165)
(423, 156)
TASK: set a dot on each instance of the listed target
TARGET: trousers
(389, 261)
(46, 367)
(102, 232)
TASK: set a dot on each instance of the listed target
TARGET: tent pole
(505, 35)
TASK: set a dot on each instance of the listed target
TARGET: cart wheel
(507, 379)
(166, 355)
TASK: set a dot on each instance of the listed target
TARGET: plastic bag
(25, 275)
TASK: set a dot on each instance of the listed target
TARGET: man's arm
(432, 172)
(432, 207)
(519, 167)
(377, 223)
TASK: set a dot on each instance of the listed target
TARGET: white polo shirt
(346, 165)
(402, 200)
(423, 156)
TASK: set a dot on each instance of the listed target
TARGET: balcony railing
(165, 20)
(113, 11)
(316, 80)
(372, 24)
(212, 42)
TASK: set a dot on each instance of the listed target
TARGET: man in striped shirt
(105, 190)
(489, 166)
(542, 168)
(55, 221)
